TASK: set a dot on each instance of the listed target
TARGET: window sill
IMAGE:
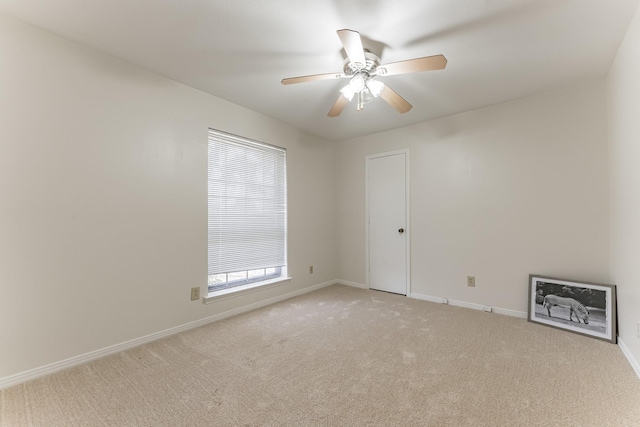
(245, 289)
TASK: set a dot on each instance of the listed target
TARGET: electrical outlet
(311, 269)
(487, 309)
(195, 294)
(471, 281)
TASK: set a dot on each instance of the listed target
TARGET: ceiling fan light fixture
(347, 92)
(357, 83)
(367, 96)
(375, 87)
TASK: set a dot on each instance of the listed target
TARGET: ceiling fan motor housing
(369, 69)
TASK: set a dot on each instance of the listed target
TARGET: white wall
(623, 90)
(497, 193)
(103, 199)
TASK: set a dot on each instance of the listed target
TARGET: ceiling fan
(361, 67)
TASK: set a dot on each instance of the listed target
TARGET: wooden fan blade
(428, 63)
(338, 106)
(353, 46)
(312, 78)
(395, 100)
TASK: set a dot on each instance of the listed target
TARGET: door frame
(407, 213)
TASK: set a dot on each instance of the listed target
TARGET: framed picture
(580, 307)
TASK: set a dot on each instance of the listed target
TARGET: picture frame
(581, 307)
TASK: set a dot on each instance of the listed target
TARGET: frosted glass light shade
(376, 87)
(367, 96)
(357, 83)
(347, 92)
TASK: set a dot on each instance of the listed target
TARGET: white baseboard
(354, 284)
(470, 305)
(512, 313)
(627, 353)
(465, 304)
(31, 374)
(429, 298)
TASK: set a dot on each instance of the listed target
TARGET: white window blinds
(247, 204)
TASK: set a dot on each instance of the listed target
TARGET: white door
(387, 211)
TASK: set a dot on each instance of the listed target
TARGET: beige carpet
(344, 357)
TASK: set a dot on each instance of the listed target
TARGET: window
(247, 211)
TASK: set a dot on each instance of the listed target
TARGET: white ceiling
(239, 50)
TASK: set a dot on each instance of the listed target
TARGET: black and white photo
(582, 307)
